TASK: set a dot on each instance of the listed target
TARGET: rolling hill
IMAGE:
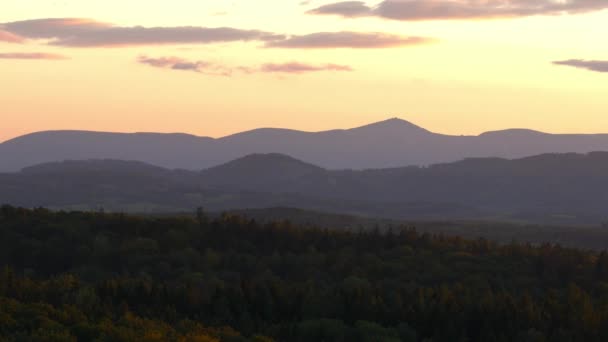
(390, 143)
(556, 188)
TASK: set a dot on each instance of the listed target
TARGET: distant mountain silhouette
(100, 166)
(558, 188)
(390, 143)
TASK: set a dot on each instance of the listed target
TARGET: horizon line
(392, 119)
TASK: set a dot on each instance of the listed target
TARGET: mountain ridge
(558, 188)
(393, 121)
(390, 143)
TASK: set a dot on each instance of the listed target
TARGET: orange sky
(283, 67)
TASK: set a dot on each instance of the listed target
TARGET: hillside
(390, 143)
(551, 188)
(260, 172)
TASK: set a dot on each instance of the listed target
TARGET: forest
(95, 276)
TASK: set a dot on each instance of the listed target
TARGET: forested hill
(582, 237)
(550, 188)
(113, 277)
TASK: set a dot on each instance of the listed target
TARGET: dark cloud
(411, 10)
(299, 68)
(598, 66)
(355, 40)
(31, 55)
(89, 33)
(9, 37)
(208, 68)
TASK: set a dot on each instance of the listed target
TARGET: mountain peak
(267, 160)
(254, 170)
(393, 124)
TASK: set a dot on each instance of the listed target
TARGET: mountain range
(549, 188)
(390, 143)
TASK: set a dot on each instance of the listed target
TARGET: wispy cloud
(209, 68)
(32, 55)
(411, 10)
(299, 68)
(178, 63)
(345, 8)
(75, 32)
(79, 33)
(346, 39)
(598, 66)
(9, 37)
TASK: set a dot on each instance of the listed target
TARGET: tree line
(85, 276)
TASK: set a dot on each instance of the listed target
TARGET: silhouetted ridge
(392, 125)
(513, 133)
(259, 172)
(549, 187)
(385, 144)
(92, 165)
(108, 136)
(266, 161)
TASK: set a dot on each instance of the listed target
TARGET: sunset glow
(212, 68)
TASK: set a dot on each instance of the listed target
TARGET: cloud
(598, 66)
(299, 68)
(208, 68)
(73, 32)
(346, 9)
(412, 10)
(32, 55)
(177, 63)
(9, 37)
(345, 39)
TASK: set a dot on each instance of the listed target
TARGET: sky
(217, 67)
